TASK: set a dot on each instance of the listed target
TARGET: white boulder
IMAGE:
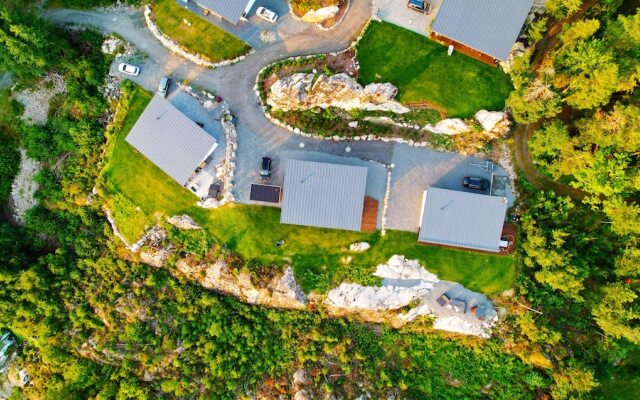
(452, 126)
(320, 14)
(183, 222)
(359, 247)
(489, 119)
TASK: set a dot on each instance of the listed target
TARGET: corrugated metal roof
(489, 26)
(323, 195)
(231, 10)
(462, 219)
(170, 140)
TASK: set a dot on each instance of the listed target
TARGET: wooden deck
(369, 215)
(466, 50)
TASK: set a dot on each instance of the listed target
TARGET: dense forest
(92, 323)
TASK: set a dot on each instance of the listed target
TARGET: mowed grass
(318, 256)
(201, 36)
(422, 71)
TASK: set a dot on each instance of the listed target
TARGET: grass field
(201, 36)
(422, 71)
(317, 255)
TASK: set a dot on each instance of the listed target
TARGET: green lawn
(422, 71)
(317, 255)
(201, 36)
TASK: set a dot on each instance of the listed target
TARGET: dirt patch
(345, 61)
(36, 101)
(329, 23)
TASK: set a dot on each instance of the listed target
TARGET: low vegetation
(196, 34)
(423, 72)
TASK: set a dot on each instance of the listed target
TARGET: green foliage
(537, 29)
(615, 316)
(563, 8)
(87, 4)
(526, 108)
(423, 72)
(573, 383)
(9, 166)
(24, 39)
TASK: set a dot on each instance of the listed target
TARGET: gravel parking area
(418, 168)
(397, 13)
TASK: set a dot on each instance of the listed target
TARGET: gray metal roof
(231, 10)
(489, 26)
(170, 140)
(323, 195)
(462, 219)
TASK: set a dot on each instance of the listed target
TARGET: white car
(128, 69)
(267, 14)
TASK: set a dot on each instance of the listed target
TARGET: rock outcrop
(183, 222)
(306, 91)
(321, 14)
(281, 291)
(359, 247)
(452, 126)
(24, 186)
(493, 121)
(407, 284)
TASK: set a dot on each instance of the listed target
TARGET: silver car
(163, 87)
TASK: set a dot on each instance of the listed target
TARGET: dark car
(475, 183)
(265, 168)
(419, 5)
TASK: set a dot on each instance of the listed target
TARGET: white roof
(462, 219)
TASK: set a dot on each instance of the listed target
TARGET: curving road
(415, 168)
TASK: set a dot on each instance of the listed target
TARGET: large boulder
(183, 222)
(307, 91)
(321, 14)
(452, 126)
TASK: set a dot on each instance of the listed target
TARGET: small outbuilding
(323, 195)
(461, 219)
(170, 140)
(229, 10)
(483, 29)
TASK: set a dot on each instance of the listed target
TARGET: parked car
(420, 6)
(267, 14)
(129, 69)
(475, 183)
(163, 87)
(265, 168)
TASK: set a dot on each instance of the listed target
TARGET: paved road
(258, 136)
